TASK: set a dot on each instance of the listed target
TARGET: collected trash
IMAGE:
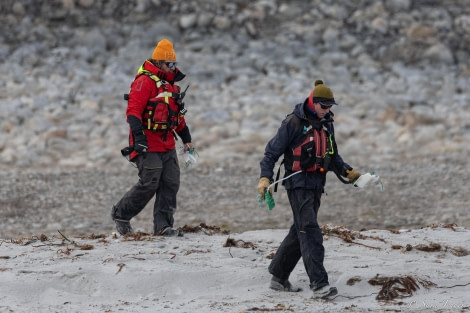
(268, 197)
(189, 157)
(366, 179)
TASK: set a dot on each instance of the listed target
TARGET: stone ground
(419, 192)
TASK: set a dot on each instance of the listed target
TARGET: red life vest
(162, 112)
(310, 153)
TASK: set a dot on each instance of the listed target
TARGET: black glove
(140, 142)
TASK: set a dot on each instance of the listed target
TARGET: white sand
(197, 273)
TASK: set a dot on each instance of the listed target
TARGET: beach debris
(270, 256)
(86, 247)
(403, 249)
(278, 307)
(77, 245)
(140, 236)
(206, 229)
(120, 265)
(93, 236)
(432, 247)
(441, 225)
(398, 287)
(197, 251)
(107, 260)
(351, 281)
(66, 251)
(349, 235)
(230, 242)
(458, 251)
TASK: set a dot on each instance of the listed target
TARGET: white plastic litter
(367, 179)
(189, 158)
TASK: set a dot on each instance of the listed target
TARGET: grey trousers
(159, 175)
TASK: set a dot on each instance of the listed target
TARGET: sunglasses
(324, 107)
(171, 64)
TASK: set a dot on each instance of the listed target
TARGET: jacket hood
(299, 110)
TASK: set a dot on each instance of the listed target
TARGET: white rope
(277, 181)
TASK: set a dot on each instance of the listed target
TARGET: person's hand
(352, 175)
(263, 184)
(188, 146)
(140, 142)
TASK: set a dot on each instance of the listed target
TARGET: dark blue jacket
(289, 135)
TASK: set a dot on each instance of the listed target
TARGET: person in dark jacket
(306, 139)
(155, 114)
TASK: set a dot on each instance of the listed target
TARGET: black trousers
(303, 240)
(159, 175)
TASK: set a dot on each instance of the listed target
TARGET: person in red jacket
(155, 113)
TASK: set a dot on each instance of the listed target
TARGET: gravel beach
(79, 201)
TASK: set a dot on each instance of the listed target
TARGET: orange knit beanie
(164, 51)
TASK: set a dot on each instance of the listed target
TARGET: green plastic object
(269, 200)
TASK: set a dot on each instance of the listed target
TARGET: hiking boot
(169, 232)
(326, 292)
(123, 227)
(283, 285)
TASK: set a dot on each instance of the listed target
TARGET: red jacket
(143, 89)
